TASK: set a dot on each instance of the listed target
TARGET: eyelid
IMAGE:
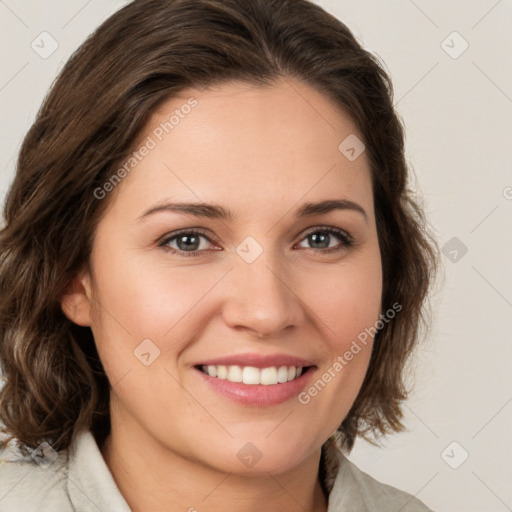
(172, 235)
(330, 229)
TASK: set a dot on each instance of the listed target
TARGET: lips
(255, 379)
(256, 361)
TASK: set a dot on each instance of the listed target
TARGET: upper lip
(257, 360)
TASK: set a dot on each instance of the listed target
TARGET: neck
(153, 478)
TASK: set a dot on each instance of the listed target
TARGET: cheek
(348, 301)
(135, 302)
(148, 300)
(349, 307)
(146, 310)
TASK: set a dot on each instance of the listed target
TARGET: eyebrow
(213, 211)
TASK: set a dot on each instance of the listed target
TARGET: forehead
(248, 145)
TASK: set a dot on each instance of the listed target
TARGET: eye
(188, 242)
(321, 237)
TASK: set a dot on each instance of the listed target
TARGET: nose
(262, 299)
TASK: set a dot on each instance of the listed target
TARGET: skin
(262, 152)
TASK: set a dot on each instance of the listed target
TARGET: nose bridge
(262, 300)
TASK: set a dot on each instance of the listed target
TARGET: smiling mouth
(253, 376)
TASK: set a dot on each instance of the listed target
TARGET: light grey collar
(88, 470)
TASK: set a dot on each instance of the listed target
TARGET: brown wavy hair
(145, 53)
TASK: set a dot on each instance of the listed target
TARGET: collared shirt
(79, 480)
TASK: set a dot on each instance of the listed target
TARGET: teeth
(269, 375)
(282, 374)
(222, 372)
(235, 374)
(251, 375)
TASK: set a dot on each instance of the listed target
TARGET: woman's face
(263, 289)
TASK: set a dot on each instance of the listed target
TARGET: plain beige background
(451, 67)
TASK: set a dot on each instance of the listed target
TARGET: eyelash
(346, 239)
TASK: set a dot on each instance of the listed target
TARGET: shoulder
(356, 490)
(37, 483)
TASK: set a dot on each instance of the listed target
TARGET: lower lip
(258, 394)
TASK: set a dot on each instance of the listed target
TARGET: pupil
(324, 237)
(193, 245)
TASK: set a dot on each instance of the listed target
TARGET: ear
(76, 300)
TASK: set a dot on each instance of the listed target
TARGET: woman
(212, 272)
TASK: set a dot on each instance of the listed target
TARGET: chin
(244, 457)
